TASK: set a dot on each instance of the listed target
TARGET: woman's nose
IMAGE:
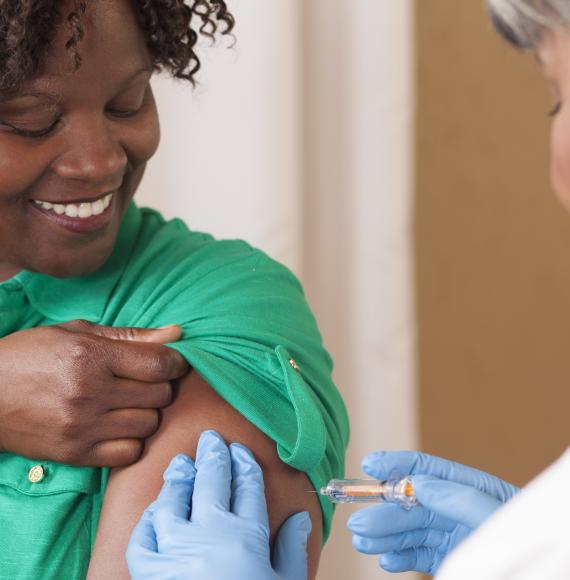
(93, 153)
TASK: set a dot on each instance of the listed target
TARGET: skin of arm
(197, 407)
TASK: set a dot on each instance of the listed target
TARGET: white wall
(229, 158)
(300, 141)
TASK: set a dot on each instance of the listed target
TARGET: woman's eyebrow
(145, 70)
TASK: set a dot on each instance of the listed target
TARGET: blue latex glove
(225, 533)
(454, 499)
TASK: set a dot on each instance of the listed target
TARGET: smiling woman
(78, 124)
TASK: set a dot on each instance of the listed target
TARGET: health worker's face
(554, 55)
(74, 146)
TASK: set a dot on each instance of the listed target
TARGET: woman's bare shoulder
(197, 407)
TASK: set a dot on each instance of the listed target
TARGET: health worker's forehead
(553, 51)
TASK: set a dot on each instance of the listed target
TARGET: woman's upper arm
(197, 408)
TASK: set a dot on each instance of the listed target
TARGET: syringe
(398, 490)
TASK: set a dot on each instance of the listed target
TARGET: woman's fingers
(129, 394)
(142, 361)
(115, 453)
(128, 423)
(162, 335)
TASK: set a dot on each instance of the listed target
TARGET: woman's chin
(81, 265)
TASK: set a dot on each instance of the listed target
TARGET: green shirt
(245, 324)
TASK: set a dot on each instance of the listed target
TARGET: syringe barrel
(398, 491)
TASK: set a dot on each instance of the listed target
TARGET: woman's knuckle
(80, 350)
(158, 365)
(131, 451)
(149, 424)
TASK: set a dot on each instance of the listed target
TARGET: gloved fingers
(212, 489)
(248, 495)
(424, 538)
(143, 538)
(425, 560)
(290, 552)
(381, 464)
(462, 503)
(388, 519)
(176, 493)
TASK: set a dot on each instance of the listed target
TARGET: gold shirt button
(294, 365)
(36, 474)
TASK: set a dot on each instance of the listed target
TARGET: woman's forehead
(110, 39)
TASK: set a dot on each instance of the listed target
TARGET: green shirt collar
(84, 297)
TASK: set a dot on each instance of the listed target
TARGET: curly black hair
(171, 29)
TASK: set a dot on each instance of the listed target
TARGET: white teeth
(84, 211)
(98, 207)
(71, 210)
(81, 210)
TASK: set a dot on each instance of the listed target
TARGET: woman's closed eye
(29, 132)
(38, 130)
(123, 113)
(130, 103)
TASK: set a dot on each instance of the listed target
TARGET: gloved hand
(225, 533)
(454, 500)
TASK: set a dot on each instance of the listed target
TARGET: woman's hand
(83, 394)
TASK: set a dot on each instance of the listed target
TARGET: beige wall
(493, 251)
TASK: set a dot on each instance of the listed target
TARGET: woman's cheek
(20, 167)
(560, 158)
(143, 137)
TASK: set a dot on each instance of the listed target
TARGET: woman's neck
(7, 271)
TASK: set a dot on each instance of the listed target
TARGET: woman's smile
(80, 216)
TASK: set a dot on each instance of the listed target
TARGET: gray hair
(522, 22)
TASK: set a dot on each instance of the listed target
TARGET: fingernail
(209, 439)
(242, 451)
(243, 461)
(353, 521)
(387, 563)
(180, 468)
(168, 326)
(210, 446)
